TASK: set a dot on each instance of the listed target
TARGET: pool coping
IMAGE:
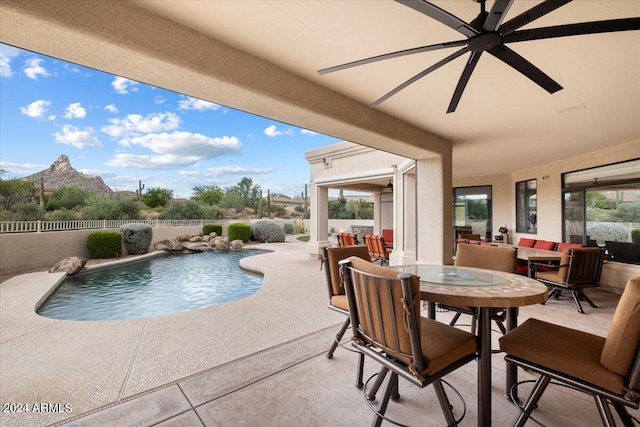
(96, 363)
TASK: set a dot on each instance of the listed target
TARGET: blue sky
(125, 131)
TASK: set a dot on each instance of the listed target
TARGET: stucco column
(377, 213)
(319, 220)
(434, 210)
(404, 205)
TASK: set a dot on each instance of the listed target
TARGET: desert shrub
(67, 197)
(104, 244)
(187, 210)
(28, 212)
(288, 228)
(267, 231)
(136, 238)
(211, 228)
(62, 214)
(278, 210)
(239, 231)
(212, 212)
(608, 231)
(103, 208)
(635, 235)
(299, 227)
(299, 209)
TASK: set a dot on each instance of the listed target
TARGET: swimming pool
(165, 285)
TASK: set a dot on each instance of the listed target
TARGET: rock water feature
(198, 243)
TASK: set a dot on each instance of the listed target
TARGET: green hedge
(239, 231)
(635, 235)
(104, 244)
(211, 228)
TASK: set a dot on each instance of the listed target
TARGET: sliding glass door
(472, 211)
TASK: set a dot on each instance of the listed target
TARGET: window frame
(524, 210)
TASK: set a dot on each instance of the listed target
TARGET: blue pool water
(159, 286)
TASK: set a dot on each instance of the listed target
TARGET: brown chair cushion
(334, 255)
(500, 258)
(442, 345)
(569, 351)
(340, 301)
(624, 333)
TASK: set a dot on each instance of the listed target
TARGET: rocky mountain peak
(62, 174)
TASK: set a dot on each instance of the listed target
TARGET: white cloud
(136, 124)
(196, 104)
(226, 170)
(123, 86)
(111, 108)
(272, 132)
(36, 109)
(308, 132)
(7, 53)
(75, 111)
(21, 169)
(173, 150)
(33, 69)
(77, 137)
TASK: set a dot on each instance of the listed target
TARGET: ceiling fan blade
(610, 26)
(531, 15)
(497, 14)
(419, 76)
(392, 55)
(464, 79)
(529, 70)
(441, 16)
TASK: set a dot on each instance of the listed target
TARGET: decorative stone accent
(237, 244)
(197, 243)
(69, 265)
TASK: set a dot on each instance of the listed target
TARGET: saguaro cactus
(139, 191)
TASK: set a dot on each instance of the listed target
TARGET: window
(472, 211)
(526, 207)
(601, 206)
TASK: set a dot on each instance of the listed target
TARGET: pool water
(165, 285)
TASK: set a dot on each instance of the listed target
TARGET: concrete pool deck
(90, 364)
(259, 361)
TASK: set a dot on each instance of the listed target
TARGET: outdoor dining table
(531, 255)
(484, 289)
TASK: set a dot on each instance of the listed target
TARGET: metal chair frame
(578, 277)
(602, 397)
(378, 350)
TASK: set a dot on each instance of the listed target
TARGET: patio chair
(337, 297)
(388, 328)
(378, 250)
(387, 235)
(607, 368)
(579, 268)
(500, 258)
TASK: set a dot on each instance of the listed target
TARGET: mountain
(62, 174)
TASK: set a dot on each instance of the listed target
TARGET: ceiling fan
(487, 33)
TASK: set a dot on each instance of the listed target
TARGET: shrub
(104, 244)
(288, 228)
(187, 210)
(62, 214)
(267, 231)
(635, 235)
(239, 231)
(211, 228)
(608, 231)
(103, 208)
(300, 228)
(67, 197)
(28, 212)
(136, 238)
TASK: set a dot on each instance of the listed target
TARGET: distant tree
(476, 209)
(207, 194)
(626, 212)
(249, 192)
(596, 199)
(67, 198)
(360, 209)
(155, 197)
(187, 210)
(28, 212)
(17, 191)
(99, 207)
(338, 208)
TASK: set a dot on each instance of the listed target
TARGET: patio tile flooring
(257, 361)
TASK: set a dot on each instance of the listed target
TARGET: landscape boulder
(69, 265)
(236, 244)
(220, 244)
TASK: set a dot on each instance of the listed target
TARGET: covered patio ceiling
(263, 57)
